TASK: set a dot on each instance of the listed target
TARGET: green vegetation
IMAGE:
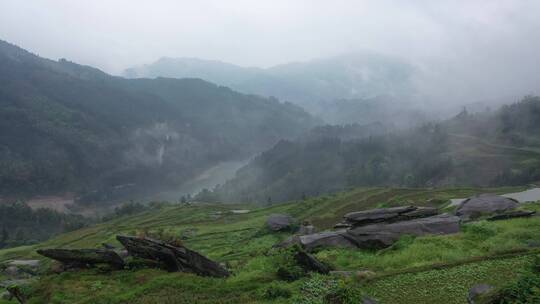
(20, 225)
(433, 269)
(470, 149)
(75, 128)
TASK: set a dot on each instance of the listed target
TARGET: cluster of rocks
(379, 228)
(174, 257)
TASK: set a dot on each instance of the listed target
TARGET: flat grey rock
(374, 215)
(325, 239)
(386, 215)
(511, 214)
(485, 204)
(378, 236)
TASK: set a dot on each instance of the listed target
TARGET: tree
(4, 237)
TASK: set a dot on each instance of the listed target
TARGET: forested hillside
(67, 127)
(484, 149)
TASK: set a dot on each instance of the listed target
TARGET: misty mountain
(350, 76)
(490, 148)
(68, 127)
(389, 110)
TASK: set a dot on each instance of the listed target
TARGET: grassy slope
(237, 240)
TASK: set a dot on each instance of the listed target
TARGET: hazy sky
(472, 39)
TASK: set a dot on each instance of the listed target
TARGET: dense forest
(64, 127)
(481, 149)
(20, 225)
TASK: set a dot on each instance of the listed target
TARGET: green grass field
(434, 269)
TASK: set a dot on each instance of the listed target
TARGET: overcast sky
(473, 39)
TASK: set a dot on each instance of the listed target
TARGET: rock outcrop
(485, 204)
(385, 215)
(81, 258)
(388, 215)
(280, 222)
(325, 239)
(175, 258)
(380, 228)
(511, 214)
(377, 236)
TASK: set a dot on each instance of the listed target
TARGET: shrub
(167, 236)
(287, 267)
(479, 230)
(343, 293)
(275, 290)
(525, 290)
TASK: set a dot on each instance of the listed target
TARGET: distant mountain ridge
(349, 76)
(68, 127)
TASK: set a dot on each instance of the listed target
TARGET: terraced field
(435, 269)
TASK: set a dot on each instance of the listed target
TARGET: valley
(302, 152)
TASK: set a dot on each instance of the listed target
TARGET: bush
(274, 291)
(525, 290)
(344, 293)
(167, 236)
(287, 266)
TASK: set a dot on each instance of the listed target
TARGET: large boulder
(485, 204)
(387, 215)
(83, 257)
(311, 242)
(378, 236)
(174, 257)
(280, 222)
